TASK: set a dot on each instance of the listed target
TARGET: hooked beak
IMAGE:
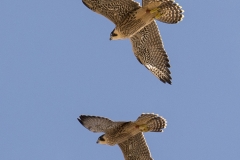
(97, 142)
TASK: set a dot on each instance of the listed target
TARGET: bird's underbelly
(129, 27)
(130, 132)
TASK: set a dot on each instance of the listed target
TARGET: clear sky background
(56, 62)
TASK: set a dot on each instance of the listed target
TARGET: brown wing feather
(148, 48)
(114, 10)
(98, 124)
(135, 148)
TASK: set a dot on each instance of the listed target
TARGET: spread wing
(148, 48)
(135, 148)
(114, 10)
(98, 124)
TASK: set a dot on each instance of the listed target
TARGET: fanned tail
(167, 11)
(150, 122)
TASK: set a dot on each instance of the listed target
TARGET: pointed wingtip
(166, 81)
(169, 82)
(80, 120)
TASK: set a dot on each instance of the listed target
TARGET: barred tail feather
(157, 124)
(154, 122)
(169, 12)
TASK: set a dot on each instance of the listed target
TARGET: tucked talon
(143, 128)
(158, 15)
(154, 10)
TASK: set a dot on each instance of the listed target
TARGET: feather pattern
(149, 50)
(98, 124)
(127, 134)
(135, 148)
(137, 23)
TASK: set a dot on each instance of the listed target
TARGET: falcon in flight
(128, 135)
(138, 24)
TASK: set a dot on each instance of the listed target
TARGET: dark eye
(101, 138)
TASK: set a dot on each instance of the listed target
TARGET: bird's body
(128, 135)
(121, 133)
(134, 21)
(137, 23)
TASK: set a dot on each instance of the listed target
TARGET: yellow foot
(154, 10)
(143, 128)
(158, 15)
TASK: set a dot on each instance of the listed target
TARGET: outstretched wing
(169, 11)
(114, 10)
(98, 124)
(135, 148)
(148, 48)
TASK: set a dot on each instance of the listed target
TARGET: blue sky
(56, 62)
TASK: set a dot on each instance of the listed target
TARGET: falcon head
(102, 139)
